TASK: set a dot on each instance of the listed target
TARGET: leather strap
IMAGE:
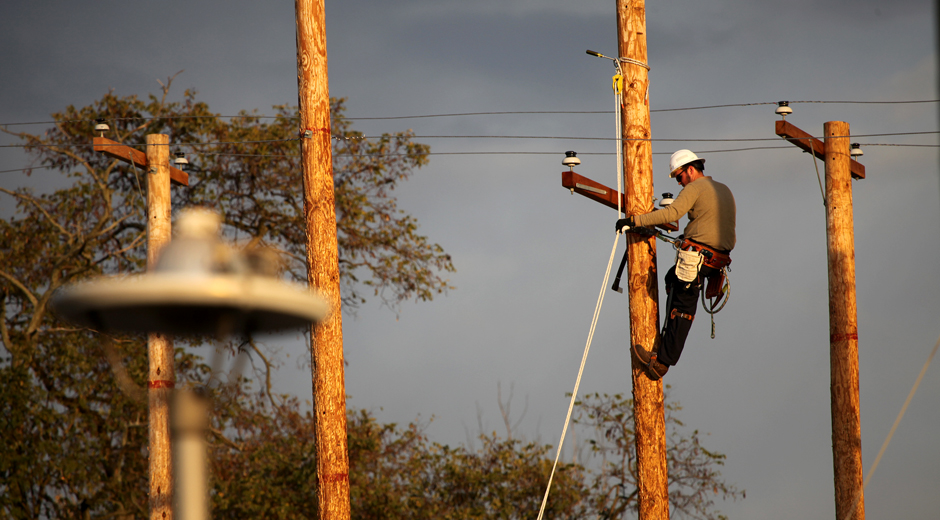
(713, 258)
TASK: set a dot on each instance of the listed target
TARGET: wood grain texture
(843, 323)
(161, 371)
(572, 180)
(643, 283)
(329, 388)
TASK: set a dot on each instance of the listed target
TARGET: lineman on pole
(702, 253)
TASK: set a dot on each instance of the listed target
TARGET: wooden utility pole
(642, 282)
(843, 324)
(843, 319)
(161, 376)
(648, 408)
(329, 388)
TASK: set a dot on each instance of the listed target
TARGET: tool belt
(713, 258)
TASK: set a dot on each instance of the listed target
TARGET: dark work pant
(683, 299)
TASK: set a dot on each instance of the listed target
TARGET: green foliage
(249, 169)
(267, 468)
(75, 443)
(694, 481)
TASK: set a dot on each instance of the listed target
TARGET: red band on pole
(336, 477)
(843, 337)
(161, 384)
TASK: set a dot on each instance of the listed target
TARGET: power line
(898, 144)
(568, 138)
(654, 140)
(463, 114)
(510, 152)
(154, 118)
(703, 107)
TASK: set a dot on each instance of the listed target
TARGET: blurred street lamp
(199, 285)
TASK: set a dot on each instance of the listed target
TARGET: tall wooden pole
(643, 284)
(843, 324)
(162, 375)
(329, 388)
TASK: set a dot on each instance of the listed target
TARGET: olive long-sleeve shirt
(711, 210)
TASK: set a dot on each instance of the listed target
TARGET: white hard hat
(680, 159)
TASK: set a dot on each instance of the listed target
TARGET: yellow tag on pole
(617, 81)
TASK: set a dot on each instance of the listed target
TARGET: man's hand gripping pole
(627, 225)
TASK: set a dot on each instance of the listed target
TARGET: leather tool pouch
(715, 282)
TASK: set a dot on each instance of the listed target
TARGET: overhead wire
(516, 152)
(507, 112)
(491, 152)
(532, 137)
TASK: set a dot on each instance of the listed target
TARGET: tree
(694, 480)
(75, 441)
(253, 176)
(266, 469)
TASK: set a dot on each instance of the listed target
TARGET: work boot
(656, 370)
(642, 354)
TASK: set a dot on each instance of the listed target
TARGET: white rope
(600, 301)
(897, 421)
(635, 62)
(618, 99)
(577, 383)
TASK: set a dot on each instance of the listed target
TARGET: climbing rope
(618, 88)
(577, 383)
(617, 84)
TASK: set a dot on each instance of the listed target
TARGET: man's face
(682, 176)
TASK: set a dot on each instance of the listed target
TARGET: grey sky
(531, 258)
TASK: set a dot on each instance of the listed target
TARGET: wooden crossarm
(127, 154)
(810, 144)
(599, 193)
(592, 190)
